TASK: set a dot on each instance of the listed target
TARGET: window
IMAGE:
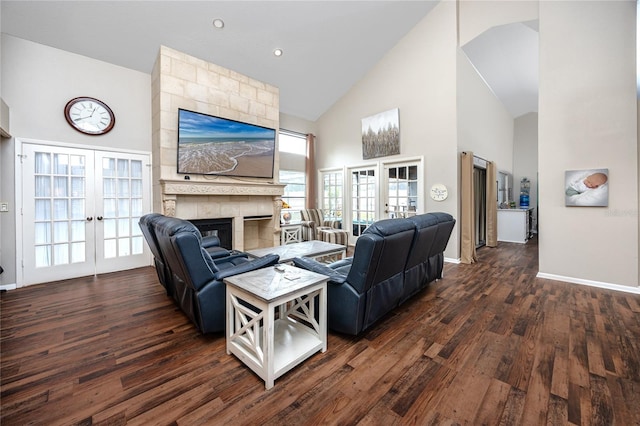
(294, 192)
(293, 153)
(292, 143)
(332, 195)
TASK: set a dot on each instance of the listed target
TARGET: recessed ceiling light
(278, 52)
(218, 23)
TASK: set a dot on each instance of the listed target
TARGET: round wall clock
(439, 192)
(89, 116)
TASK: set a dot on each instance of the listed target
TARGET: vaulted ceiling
(328, 45)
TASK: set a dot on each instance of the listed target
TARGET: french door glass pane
(108, 167)
(60, 232)
(61, 164)
(136, 188)
(60, 186)
(136, 169)
(109, 207)
(110, 250)
(123, 247)
(123, 227)
(109, 228)
(60, 209)
(78, 252)
(123, 187)
(77, 208)
(123, 168)
(78, 230)
(43, 163)
(109, 187)
(137, 245)
(77, 187)
(136, 207)
(43, 186)
(43, 233)
(43, 210)
(43, 256)
(61, 254)
(77, 165)
(123, 207)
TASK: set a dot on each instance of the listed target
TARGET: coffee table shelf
(272, 321)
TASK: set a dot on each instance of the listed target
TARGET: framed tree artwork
(381, 134)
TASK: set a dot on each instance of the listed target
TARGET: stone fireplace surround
(253, 207)
(178, 81)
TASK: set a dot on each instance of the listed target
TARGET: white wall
(37, 83)
(417, 76)
(588, 119)
(484, 125)
(525, 157)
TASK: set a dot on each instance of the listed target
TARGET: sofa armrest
(348, 261)
(319, 268)
(252, 265)
(210, 241)
(217, 252)
(332, 224)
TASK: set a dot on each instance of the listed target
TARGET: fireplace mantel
(234, 199)
(181, 187)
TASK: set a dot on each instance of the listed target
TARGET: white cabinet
(514, 225)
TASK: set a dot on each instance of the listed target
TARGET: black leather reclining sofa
(192, 269)
(393, 260)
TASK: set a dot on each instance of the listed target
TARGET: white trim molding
(451, 260)
(599, 284)
(8, 287)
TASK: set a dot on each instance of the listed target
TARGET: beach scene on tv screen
(212, 145)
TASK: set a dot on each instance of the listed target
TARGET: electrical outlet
(4, 207)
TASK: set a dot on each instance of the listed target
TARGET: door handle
(89, 219)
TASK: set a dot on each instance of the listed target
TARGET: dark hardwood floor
(489, 344)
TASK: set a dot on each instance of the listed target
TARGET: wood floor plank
(488, 344)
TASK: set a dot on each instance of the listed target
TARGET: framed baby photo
(586, 188)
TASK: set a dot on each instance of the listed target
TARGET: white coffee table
(312, 248)
(283, 328)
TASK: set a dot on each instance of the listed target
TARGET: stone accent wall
(182, 81)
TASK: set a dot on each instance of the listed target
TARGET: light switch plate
(4, 207)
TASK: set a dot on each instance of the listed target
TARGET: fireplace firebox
(222, 228)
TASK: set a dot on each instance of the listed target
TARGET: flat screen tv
(209, 145)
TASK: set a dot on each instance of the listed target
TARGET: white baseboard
(599, 284)
(450, 260)
(8, 286)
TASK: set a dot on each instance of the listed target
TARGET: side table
(272, 321)
(290, 233)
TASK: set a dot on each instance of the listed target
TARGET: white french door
(364, 199)
(80, 211)
(402, 189)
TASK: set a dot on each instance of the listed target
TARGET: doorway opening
(480, 205)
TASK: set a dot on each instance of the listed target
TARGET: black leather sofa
(393, 260)
(189, 273)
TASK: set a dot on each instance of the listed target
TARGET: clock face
(89, 116)
(439, 192)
